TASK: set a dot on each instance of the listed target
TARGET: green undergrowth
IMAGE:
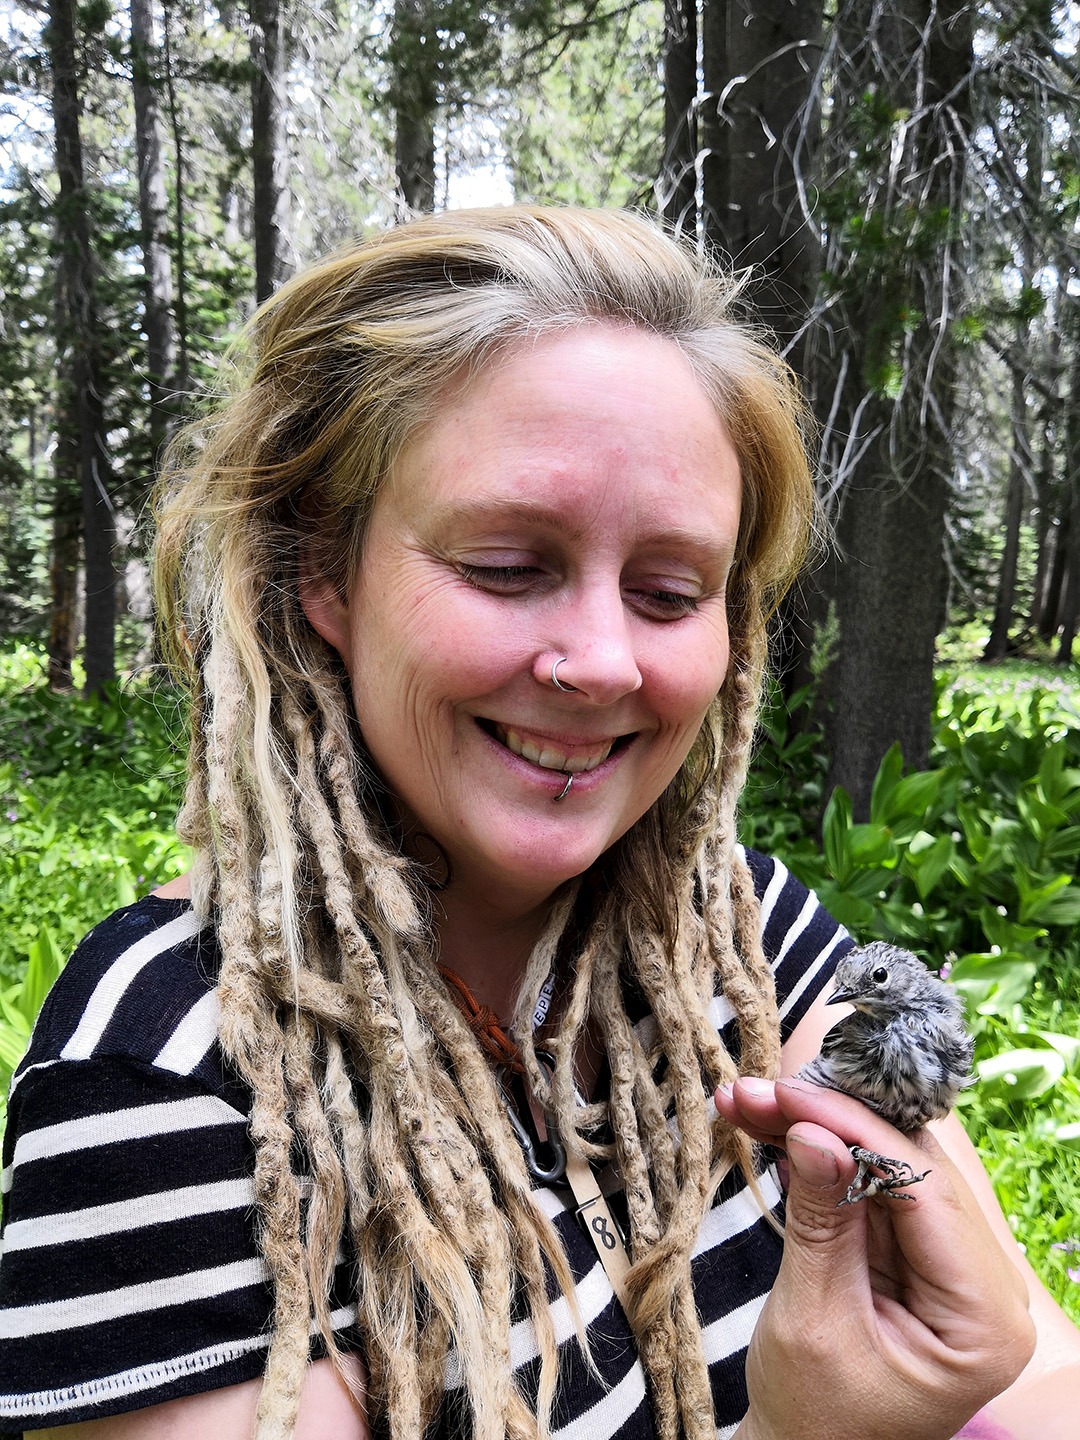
(88, 795)
(973, 865)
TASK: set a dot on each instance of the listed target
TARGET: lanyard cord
(484, 1023)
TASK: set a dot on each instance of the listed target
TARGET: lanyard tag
(599, 1224)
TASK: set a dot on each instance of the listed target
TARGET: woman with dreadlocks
(395, 1116)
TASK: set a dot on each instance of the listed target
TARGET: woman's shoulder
(140, 986)
(800, 939)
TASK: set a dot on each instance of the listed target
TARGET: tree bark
(81, 366)
(269, 156)
(887, 347)
(677, 184)
(997, 645)
(761, 109)
(64, 562)
(1070, 607)
(182, 377)
(153, 216)
(414, 93)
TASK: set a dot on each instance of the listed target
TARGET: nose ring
(569, 689)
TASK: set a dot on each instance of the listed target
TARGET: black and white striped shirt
(130, 1270)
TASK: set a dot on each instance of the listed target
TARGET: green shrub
(88, 796)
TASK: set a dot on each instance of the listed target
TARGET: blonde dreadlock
(332, 1006)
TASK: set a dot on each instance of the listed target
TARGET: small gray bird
(905, 1052)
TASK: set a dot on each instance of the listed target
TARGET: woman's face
(578, 498)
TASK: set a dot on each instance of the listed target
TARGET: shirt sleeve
(802, 942)
(130, 1270)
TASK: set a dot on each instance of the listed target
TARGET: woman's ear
(327, 612)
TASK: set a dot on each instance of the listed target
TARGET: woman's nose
(594, 652)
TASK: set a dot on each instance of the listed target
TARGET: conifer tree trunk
(64, 563)
(1070, 604)
(153, 215)
(269, 158)
(81, 369)
(761, 113)
(997, 645)
(413, 57)
(182, 372)
(677, 185)
(888, 347)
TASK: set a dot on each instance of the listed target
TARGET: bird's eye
(880, 975)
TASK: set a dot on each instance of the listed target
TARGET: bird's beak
(841, 997)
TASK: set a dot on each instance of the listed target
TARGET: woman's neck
(488, 947)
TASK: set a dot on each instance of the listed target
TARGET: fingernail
(813, 1164)
(727, 1089)
(755, 1086)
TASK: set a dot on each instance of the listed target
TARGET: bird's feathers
(906, 1051)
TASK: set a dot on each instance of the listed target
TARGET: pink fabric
(981, 1427)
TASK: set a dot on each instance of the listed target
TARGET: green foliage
(972, 864)
(88, 793)
(583, 119)
(20, 1003)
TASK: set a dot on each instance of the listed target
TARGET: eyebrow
(503, 510)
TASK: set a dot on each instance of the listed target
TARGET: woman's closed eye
(501, 579)
(663, 604)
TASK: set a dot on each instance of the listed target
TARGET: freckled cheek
(684, 686)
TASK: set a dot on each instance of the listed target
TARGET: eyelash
(499, 578)
(493, 577)
(672, 600)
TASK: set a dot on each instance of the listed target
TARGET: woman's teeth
(548, 756)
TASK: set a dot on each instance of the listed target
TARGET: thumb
(824, 1241)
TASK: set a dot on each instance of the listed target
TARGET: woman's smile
(549, 753)
(569, 515)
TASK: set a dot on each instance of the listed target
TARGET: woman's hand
(889, 1317)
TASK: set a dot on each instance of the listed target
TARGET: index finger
(766, 1109)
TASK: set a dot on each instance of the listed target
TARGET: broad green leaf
(11, 1010)
(870, 845)
(993, 984)
(834, 833)
(1067, 1046)
(916, 793)
(44, 966)
(1068, 1134)
(927, 860)
(1057, 903)
(12, 1046)
(1020, 1074)
(885, 781)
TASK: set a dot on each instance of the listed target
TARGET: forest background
(901, 180)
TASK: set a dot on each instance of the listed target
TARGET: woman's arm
(1042, 1404)
(326, 1409)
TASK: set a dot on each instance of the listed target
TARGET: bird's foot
(878, 1175)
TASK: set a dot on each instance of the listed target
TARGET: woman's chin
(529, 872)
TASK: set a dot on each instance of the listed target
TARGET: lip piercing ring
(570, 778)
(570, 689)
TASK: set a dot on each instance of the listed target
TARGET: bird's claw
(895, 1176)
